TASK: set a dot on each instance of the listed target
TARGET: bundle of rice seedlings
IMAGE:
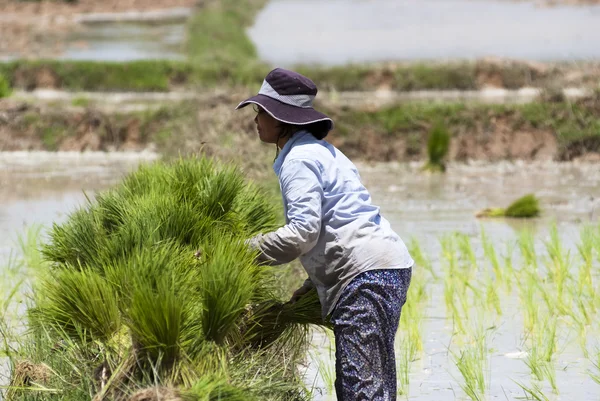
(210, 388)
(269, 321)
(78, 300)
(152, 283)
(527, 206)
(438, 145)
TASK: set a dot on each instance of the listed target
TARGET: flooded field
(41, 188)
(126, 41)
(354, 31)
(428, 211)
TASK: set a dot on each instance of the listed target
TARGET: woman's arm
(302, 191)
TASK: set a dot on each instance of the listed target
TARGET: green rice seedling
(467, 255)
(30, 245)
(411, 322)
(268, 321)
(403, 364)
(586, 252)
(420, 259)
(78, 242)
(527, 247)
(594, 373)
(77, 301)
(543, 347)
(528, 286)
(438, 145)
(490, 254)
(534, 392)
(492, 298)
(255, 210)
(455, 284)
(527, 206)
(325, 359)
(452, 307)
(582, 332)
(558, 267)
(227, 286)
(214, 388)
(472, 364)
(471, 370)
(10, 294)
(509, 270)
(156, 318)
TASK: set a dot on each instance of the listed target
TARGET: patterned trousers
(365, 321)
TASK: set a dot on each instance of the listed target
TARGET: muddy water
(126, 41)
(42, 188)
(427, 207)
(342, 31)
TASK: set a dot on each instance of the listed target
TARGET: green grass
(99, 76)
(80, 101)
(360, 133)
(219, 53)
(411, 123)
(5, 89)
(438, 145)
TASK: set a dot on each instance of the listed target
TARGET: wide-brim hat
(288, 97)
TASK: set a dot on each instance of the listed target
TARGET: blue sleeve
(302, 191)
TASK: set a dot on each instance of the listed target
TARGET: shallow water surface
(343, 31)
(42, 188)
(126, 41)
(427, 207)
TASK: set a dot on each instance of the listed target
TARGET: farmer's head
(284, 105)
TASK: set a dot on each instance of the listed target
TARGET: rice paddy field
(498, 308)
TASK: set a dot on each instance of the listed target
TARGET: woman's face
(268, 127)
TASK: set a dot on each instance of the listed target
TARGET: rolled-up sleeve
(302, 191)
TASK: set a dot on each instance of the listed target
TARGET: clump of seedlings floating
(151, 286)
(527, 206)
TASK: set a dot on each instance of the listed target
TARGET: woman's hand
(299, 293)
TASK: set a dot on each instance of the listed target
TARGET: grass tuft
(438, 145)
(5, 89)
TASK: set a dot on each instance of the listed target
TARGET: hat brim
(287, 113)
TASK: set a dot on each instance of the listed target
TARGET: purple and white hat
(288, 97)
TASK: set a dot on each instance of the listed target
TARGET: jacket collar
(286, 149)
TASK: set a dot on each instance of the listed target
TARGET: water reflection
(342, 31)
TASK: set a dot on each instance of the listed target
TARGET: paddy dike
(551, 129)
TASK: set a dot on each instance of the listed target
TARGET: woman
(359, 266)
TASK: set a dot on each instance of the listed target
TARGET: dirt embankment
(552, 131)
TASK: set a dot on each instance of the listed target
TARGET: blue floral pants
(365, 321)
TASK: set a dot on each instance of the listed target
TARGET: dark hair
(318, 129)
